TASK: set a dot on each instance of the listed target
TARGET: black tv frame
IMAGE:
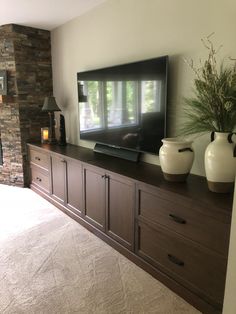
(113, 73)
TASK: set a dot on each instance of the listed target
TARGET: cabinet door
(74, 186)
(94, 196)
(120, 208)
(58, 178)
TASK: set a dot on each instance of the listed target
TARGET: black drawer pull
(103, 176)
(38, 179)
(37, 158)
(175, 260)
(177, 219)
(181, 150)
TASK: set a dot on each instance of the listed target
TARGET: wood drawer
(184, 218)
(39, 158)
(40, 178)
(197, 268)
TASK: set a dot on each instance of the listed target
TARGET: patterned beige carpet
(50, 264)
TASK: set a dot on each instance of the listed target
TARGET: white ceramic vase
(220, 164)
(176, 159)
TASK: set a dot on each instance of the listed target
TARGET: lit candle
(45, 135)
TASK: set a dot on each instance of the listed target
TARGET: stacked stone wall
(25, 53)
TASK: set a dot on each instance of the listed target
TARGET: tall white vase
(176, 159)
(220, 164)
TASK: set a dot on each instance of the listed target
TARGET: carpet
(50, 264)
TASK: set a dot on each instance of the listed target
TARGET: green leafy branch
(213, 107)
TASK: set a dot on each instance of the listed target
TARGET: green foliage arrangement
(213, 107)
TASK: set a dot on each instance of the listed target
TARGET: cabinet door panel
(94, 196)
(40, 178)
(194, 266)
(58, 178)
(172, 212)
(120, 210)
(39, 158)
(74, 186)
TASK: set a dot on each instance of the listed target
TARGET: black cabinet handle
(105, 176)
(177, 219)
(175, 260)
(38, 179)
(181, 150)
(37, 158)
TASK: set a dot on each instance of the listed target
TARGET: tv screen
(125, 105)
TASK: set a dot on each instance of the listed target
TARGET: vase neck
(221, 135)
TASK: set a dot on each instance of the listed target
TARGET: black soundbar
(117, 152)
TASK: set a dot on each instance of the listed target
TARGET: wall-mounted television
(124, 106)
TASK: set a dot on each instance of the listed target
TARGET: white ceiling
(45, 14)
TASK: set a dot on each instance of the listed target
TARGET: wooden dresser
(178, 232)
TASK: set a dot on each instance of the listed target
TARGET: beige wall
(121, 31)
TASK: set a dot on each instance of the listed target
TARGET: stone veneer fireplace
(25, 53)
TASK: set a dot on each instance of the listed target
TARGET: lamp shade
(50, 104)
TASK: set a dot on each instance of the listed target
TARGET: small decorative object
(213, 109)
(62, 140)
(44, 135)
(50, 106)
(3, 82)
(176, 159)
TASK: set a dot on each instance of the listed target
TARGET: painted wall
(121, 31)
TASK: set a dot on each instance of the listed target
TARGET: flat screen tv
(124, 106)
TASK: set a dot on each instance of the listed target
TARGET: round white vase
(176, 159)
(220, 164)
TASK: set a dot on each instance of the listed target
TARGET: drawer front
(39, 158)
(184, 219)
(197, 268)
(39, 178)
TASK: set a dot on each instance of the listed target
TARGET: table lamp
(50, 106)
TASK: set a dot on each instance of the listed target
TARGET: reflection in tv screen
(125, 108)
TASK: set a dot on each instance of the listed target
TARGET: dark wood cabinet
(184, 239)
(178, 232)
(40, 170)
(57, 176)
(195, 267)
(40, 178)
(109, 203)
(184, 216)
(120, 209)
(58, 169)
(74, 186)
(94, 196)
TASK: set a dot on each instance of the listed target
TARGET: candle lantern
(44, 135)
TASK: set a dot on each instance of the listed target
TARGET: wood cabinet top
(194, 188)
